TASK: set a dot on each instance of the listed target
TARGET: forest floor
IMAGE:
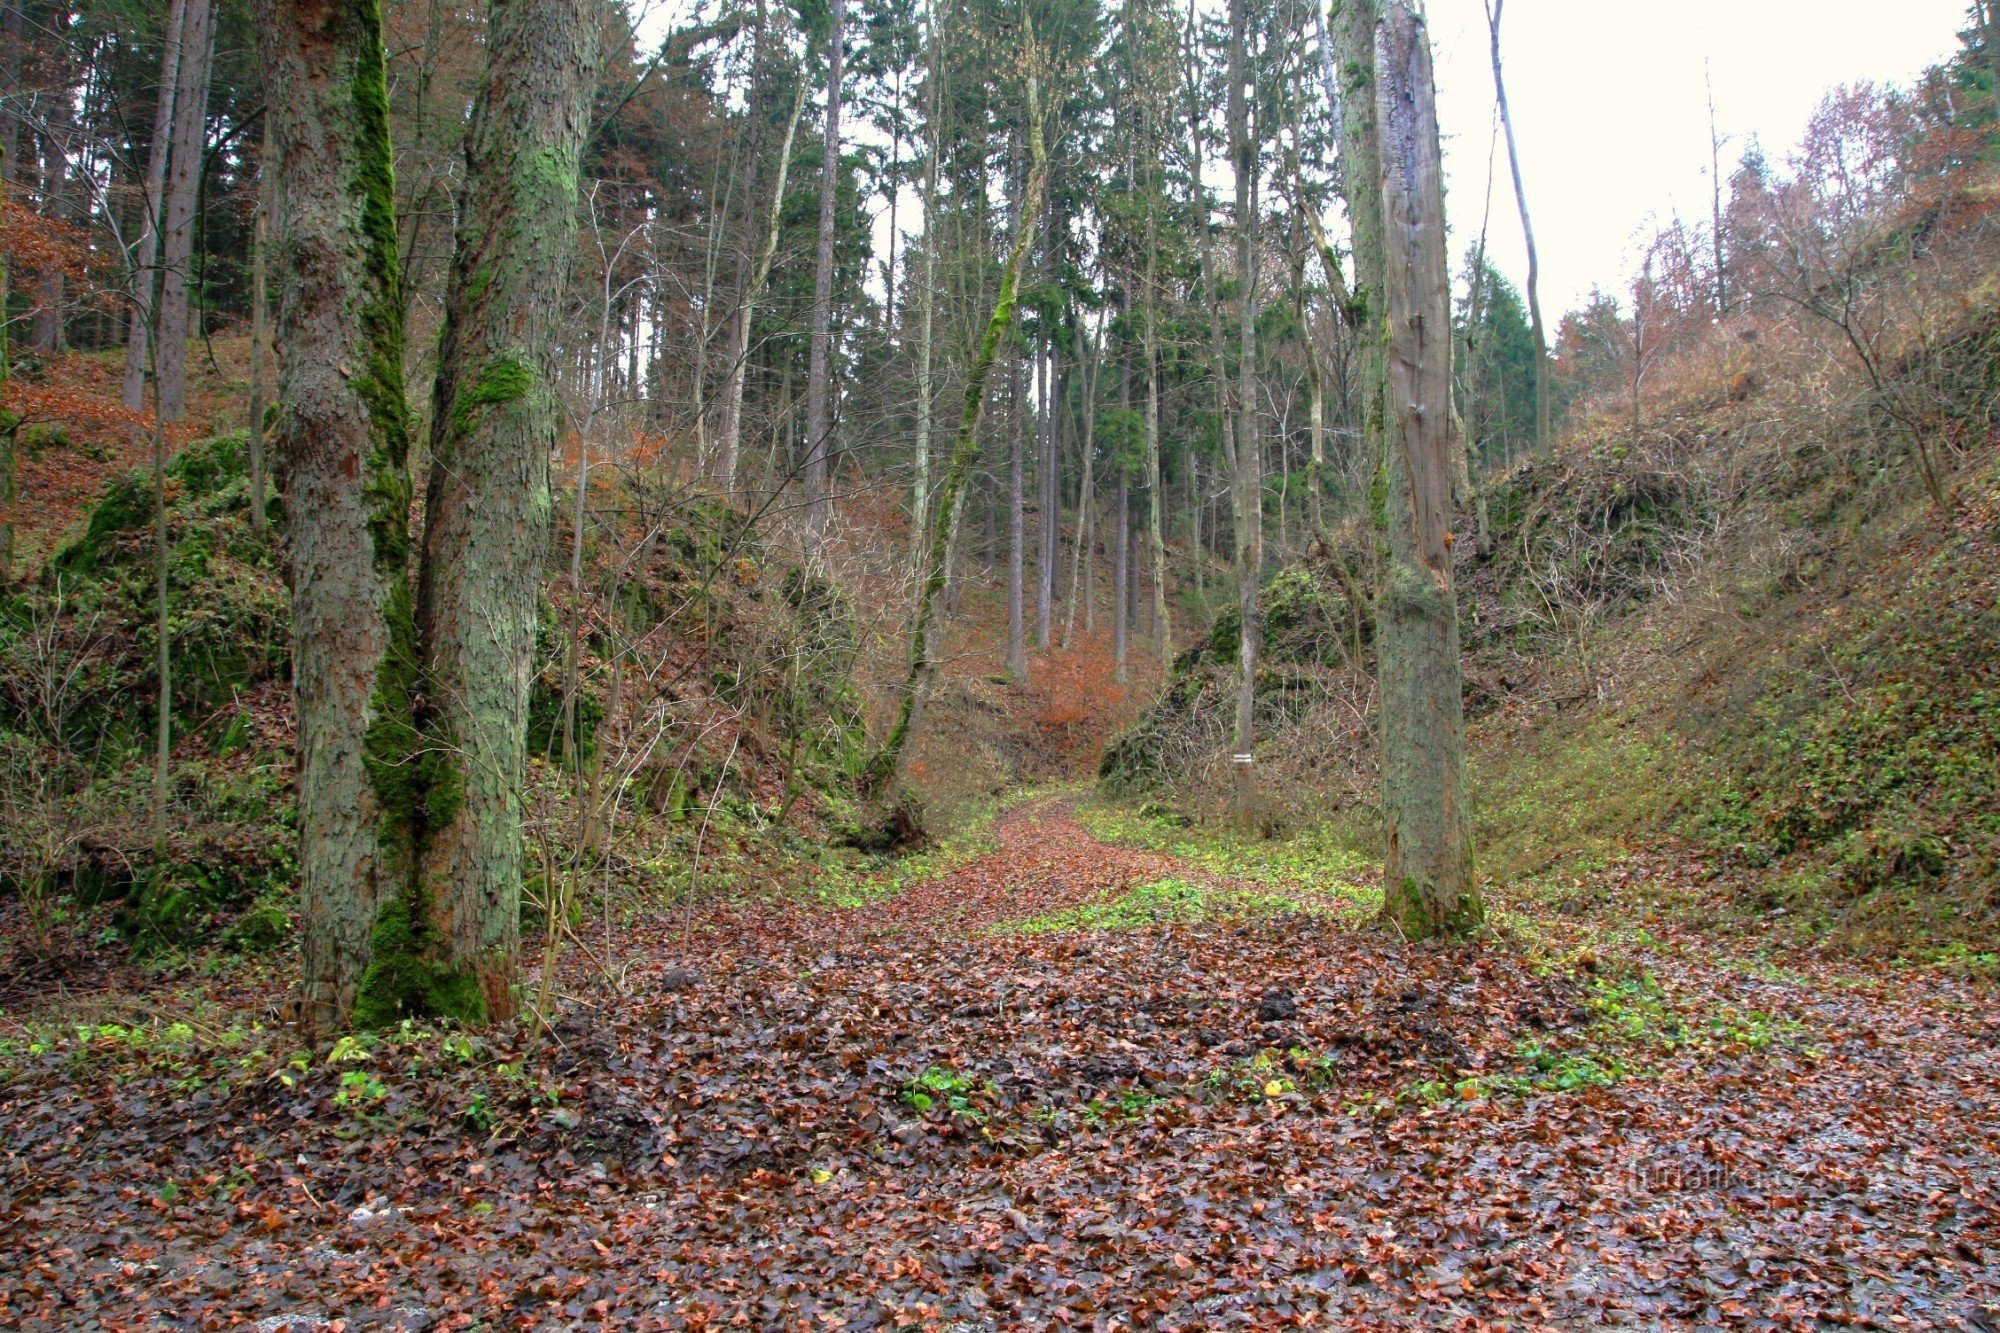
(1066, 1082)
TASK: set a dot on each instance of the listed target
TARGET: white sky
(1610, 110)
(1612, 118)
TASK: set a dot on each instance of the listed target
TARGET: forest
(954, 664)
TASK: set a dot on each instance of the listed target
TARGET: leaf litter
(910, 1114)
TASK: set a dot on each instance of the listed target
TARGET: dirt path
(913, 1114)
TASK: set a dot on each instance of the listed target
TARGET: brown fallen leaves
(895, 1116)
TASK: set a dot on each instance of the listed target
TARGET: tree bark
(145, 275)
(493, 428)
(341, 443)
(819, 358)
(183, 192)
(1121, 578)
(259, 307)
(1427, 871)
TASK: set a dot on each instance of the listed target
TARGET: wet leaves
(899, 1115)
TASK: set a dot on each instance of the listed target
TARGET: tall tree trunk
(887, 763)
(1017, 649)
(45, 330)
(1528, 235)
(739, 343)
(1250, 470)
(259, 307)
(145, 275)
(920, 496)
(1050, 527)
(183, 193)
(493, 428)
(1121, 577)
(9, 485)
(1427, 871)
(1162, 627)
(819, 423)
(342, 444)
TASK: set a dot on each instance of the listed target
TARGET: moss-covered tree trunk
(1428, 866)
(341, 447)
(493, 428)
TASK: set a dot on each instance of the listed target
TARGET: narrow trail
(912, 1114)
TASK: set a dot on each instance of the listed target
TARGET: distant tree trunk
(739, 349)
(8, 485)
(493, 428)
(1250, 471)
(1121, 577)
(183, 193)
(1425, 803)
(819, 422)
(887, 763)
(1528, 235)
(920, 496)
(259, 305)
(1162, 628)
(341, 443)
(45, 330)
(1017, 650)
(1050, 528)
(145, 275)
(13, 94)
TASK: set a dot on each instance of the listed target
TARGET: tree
(493, 428)
(1528, 235)
(145, 253)
(1249, 486)
(887, 763)
(819, 421)
(342, 443)
(190, 124)
(1427, 869)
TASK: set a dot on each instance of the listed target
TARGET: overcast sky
(1610, 110)
(1612, 118)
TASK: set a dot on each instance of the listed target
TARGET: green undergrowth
(1172, 902)
(1855, 777)
(1330, 861)
(1636, 1029)
(1568, 800)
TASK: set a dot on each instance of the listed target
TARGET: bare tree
(1528, 235)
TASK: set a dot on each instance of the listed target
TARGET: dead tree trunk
(1528, 235)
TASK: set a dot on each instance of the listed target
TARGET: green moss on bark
(404, 981)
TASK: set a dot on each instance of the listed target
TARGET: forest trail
(1064, 1084)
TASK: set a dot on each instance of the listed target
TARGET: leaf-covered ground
(1066, 1084)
